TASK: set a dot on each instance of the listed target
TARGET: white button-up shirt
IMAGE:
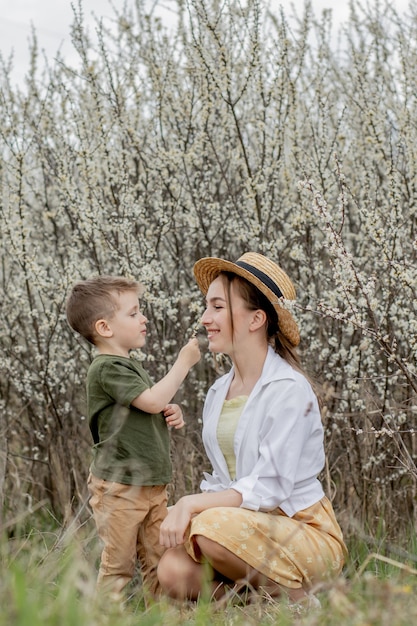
(278, 441)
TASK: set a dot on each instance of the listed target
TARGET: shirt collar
(275, 368)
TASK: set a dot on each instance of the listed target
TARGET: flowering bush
(241, 130)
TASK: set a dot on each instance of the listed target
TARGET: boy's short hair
(93, 299)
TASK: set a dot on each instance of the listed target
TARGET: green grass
(49, 580)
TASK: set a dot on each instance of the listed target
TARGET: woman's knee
(177, 573)
(167, 570)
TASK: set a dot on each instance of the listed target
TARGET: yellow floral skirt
(298, 551)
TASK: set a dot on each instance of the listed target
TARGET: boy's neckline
(111, 354)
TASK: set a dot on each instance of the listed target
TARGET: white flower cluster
(148, 156)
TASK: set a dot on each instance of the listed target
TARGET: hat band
(262, 277)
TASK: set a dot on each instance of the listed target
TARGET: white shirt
(278, 441)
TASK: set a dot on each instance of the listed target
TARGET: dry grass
(49, 579)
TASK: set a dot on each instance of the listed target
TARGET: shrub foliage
(238, 128)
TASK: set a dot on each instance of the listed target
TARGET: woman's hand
(174, 526)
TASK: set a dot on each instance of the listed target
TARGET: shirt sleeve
(121, 382)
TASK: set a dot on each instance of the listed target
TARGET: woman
(262, 517)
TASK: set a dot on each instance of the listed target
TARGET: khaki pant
(128, 518)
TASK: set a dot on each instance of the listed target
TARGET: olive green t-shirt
(130, 446)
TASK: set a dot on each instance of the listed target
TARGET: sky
(51, 20)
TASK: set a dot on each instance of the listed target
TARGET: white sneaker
(309, 603)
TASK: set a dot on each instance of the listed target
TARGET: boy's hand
(190, 353)
(173, 415)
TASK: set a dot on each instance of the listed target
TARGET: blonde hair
(94, 299)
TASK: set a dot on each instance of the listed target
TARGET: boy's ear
(103, 329)
(258, 319)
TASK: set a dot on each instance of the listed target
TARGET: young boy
(129, 418)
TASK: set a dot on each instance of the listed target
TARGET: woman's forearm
(196, 503)
(174, 526)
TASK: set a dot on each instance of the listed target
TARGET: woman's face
(216, 318)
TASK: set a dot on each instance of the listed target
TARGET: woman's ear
(103, 329)
(258, 319)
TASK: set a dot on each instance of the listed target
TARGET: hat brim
(208, 269)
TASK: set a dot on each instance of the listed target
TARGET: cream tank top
(226, 428)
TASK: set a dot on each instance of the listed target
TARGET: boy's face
(128, 325)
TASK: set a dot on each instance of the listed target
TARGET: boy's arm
(155, 399)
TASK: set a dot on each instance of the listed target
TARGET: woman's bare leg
(182, 578)
(235, 569)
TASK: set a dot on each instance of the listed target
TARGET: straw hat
(266, 275)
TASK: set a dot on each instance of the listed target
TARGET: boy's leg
(148, 548)
(119, 511)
